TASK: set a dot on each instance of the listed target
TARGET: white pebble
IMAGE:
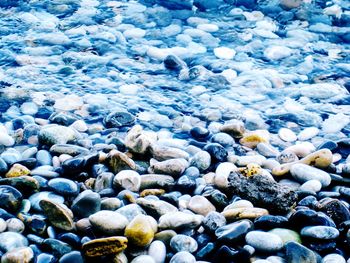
(224, 53)
(208, 27)
(287, 135)
(134, 33)
(308, 133)
(277, 52)
(311, 185)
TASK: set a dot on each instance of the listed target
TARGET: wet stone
(140, 231)
(296, 253)
(56, 247)
(22, 254)
(118, 119)
(10, 198)
(58, 215)
(108, 222)
(183, 257)
(213, 221)
(86, 203)
(217, 152)
(320, 232)
(37, 197)
(74, 256)
(56, 135)
(264, 241)
(234, 232)
(63, 186)
(268, 222)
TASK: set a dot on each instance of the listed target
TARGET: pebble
(143, 258)
(128, 179)
(224, 53)
(287, 135)
(56, 135)
(21, 254)
(105, 222)
(140, 231)
(183, 243)
(320, 232)
(333, 258)
(200, 205)
(183, 257)
(263, 241)
(105, 246)
(176, 220)
(58, 214)
(304, 173)
(12, 240)
(157, 250)
(296, 252)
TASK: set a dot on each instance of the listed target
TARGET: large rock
(263, 192)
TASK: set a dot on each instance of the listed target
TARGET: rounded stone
(311, 186)
(143, 259)
(74, 256)
(183, 257)
(200, 205)
(183, 243)
(86, 203)
(15, 225)
(213, 221)
(37, 197)
(234, 232)
(217, 152)
(287, 135)
(320, 232)
(59, 215)
(128, 179)
(157, 250)
(140, 231)
(12, 240)
(21, 254)
(10, 198)
(56, 135)
(118, 119)
(108, 222)
(333, 258)
(63, 186)
(304, 173)
(178, 220)
(201, 160)
(17, 170)
(263, 241)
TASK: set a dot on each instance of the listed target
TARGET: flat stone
(320, 232)
(178, 220)
(157, 250)
(157, 207)
(86, 203)
(286, 235)
(37, 197)
(149, 181)
(162, 153)
(10, 198)
(234, 232)
(244, 213)
(173, 167)
(119, 161)
(105, 246)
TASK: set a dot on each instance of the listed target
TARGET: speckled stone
(105, 246)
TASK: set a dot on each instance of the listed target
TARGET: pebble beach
(176, 131)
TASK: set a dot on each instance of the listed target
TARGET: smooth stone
(6, 140)
(335, 209)
(105, 246)
(63, 186)
(74, 256)
(183, 257)
(149, 181)
(287, 157)
(44, 157)
(111, 204)
(308, 133)
(56, 247)
(120, 258)
(128, 179)
(137, 140)
(217, 152)
(286, 235)
(143, 259)
(224, 53)
(201, 160)
(3, 225)
(200, 205)
(183, 243)
(333, 258)
(234, 232)
(46, 258)
(246, 160)
(59, 215)
(213, 221)
(173, 62)
(311, 185)
(119, 161)
(173, 167)
(139, 231)
(56, 135)
(86, 204)
(264, 241)
(15, 225)
(304, 173)
(157, 250)
(70, 149)
(234, 127)
(108, 222)
(222, 173)
(10, 198)
(287, 135)
(162, 153)
(267, 150)
(21, 254)
(156, 207)
(252, 138)
(320, 232)
(118, 119)
(297, 253)
(12, 240)
(37, 197)
(165, 236)
(178, 220)
(222, 138)
(17, 170)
